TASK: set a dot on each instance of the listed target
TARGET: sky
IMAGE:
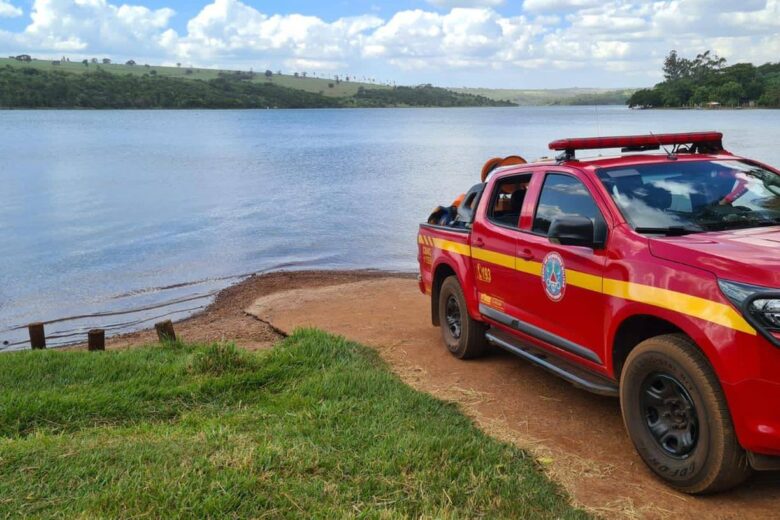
(474, 43)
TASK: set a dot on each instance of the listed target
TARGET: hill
(340, 88)
(58, 84)
(563, 96)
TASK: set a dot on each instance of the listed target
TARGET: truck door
(564, 300)
(494, 238)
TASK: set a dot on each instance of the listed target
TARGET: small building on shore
(23, 57)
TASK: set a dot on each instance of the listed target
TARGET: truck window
(507, 200)
(564, 195)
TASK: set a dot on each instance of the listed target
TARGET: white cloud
(230, 29)
(92, 25)
(466, 3)
(8, 10)
(464, 37)
(558, 5)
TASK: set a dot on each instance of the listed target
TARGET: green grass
(317, 427)
(308, 84)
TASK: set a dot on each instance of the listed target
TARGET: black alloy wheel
(670, 414)
(453, 316)
(678, 418)
(463, 335)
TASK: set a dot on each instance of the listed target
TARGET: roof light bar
(708, 141)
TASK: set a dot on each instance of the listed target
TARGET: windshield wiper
(745, 224)
(672, 231)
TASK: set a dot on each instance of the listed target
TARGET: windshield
(694, 196)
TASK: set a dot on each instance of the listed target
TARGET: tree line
(422, 96)
(707, 80)
(24, 87)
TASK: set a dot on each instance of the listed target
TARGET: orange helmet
(458, 200)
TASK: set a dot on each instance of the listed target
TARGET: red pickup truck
(653, 276)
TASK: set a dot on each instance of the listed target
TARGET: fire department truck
(652, 275)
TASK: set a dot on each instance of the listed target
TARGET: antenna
(669, 154)
(598, 123)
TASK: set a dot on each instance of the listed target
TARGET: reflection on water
(107, 211)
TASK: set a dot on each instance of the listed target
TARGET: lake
(107, 211)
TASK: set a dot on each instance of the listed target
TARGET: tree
(731, 94)
(675, 67)
(645, 98)
(269, 74)
(94, 61)
(702, 95)
(771, 96)
(106, 61)
(85, 62)
(178, 64)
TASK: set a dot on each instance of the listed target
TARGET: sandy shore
(578, 437)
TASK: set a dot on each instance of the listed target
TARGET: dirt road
(578, 437)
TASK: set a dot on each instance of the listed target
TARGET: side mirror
(572, 231)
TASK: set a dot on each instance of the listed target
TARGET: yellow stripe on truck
(587, 281)
(453, 247)
(493, 257)
(701, 308)
(694, 306)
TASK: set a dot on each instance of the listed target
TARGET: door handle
(526, 254)
(478, 242)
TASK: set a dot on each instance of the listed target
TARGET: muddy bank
(226, 319)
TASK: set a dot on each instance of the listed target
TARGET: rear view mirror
(572, 231)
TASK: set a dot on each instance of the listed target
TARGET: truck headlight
(768, 309)
(759, 305)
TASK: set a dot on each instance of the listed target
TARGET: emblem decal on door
(554, 276)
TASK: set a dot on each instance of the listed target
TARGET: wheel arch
(440, 273)
(635, 328)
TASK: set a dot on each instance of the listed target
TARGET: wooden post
(165, 331)
(96, 340)
(37, 336)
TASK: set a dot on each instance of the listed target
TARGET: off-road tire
(470, 341)
(716, 461)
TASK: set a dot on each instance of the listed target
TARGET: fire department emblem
(554, 276)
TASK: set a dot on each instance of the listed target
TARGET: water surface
(105, 211)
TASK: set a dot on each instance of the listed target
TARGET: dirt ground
(578, 437)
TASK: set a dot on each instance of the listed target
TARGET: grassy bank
(317, 427)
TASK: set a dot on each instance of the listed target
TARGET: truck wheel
(464, 336)
(677, 417)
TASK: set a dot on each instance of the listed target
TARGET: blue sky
(490, 43)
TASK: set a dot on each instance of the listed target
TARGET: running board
(577, 376)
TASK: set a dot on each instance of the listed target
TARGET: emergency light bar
(703, 142)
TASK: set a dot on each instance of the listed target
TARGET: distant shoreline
(95, 84)
(399, 107)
